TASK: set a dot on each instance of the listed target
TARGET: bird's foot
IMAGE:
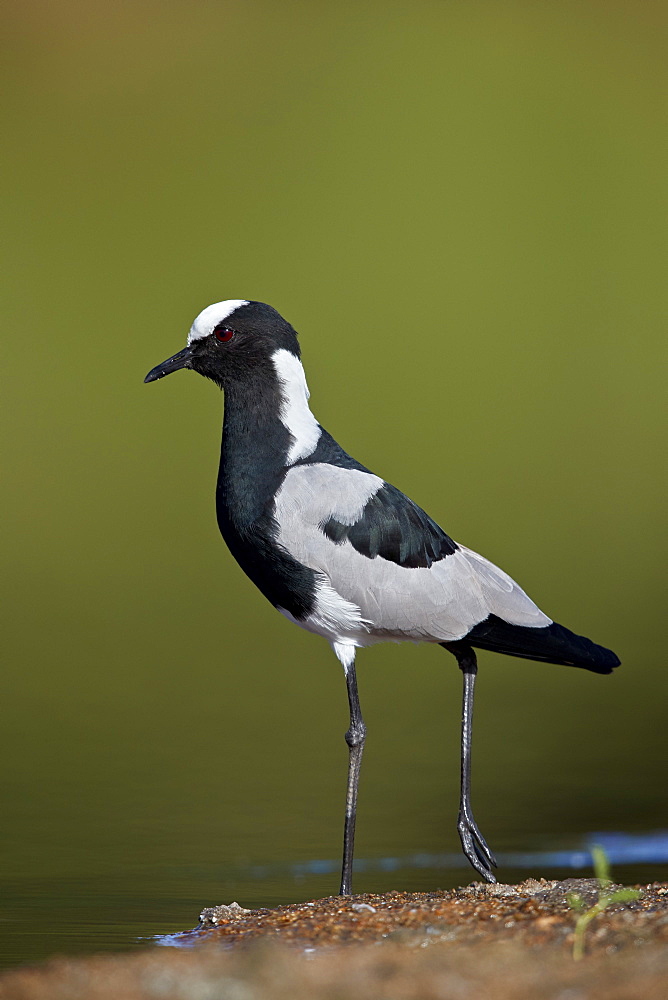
(475, 847)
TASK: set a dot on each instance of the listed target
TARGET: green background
(460, 207)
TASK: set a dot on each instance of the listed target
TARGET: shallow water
(135, 909)
(459, 212)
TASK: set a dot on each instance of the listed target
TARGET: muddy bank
(497, 942)
(535, 912)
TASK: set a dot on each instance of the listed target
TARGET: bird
(344, 554)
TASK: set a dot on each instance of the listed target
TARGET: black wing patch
(393, 527)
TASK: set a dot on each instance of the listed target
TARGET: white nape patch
(209, 318)
(295, 414)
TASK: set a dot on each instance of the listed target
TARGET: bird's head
(232, 341)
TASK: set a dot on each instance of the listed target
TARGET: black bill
(180, 360)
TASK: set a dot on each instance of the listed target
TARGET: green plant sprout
(605, 898)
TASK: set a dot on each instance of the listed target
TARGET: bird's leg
(355, 740)
(473, 842)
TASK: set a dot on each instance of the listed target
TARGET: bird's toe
(476, 849)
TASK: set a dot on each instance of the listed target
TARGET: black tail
(553, 644)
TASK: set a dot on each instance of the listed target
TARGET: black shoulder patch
(393, 527)
(330, 452)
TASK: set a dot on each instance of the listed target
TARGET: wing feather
(382, 553)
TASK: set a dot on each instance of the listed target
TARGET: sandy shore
(506, 942)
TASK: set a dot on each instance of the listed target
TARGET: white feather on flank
(210, 317)
(333, 617)
(345, 653)
(295, 414)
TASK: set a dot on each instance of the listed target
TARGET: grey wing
(439, 599)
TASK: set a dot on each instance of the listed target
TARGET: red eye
(223, 334)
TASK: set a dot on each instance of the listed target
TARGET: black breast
(283, 581)
(252, 466)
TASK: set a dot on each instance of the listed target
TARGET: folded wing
(380, 552)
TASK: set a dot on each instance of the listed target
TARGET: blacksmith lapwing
(344, 554)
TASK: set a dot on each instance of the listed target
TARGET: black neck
(252, 466)
(253, 452)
